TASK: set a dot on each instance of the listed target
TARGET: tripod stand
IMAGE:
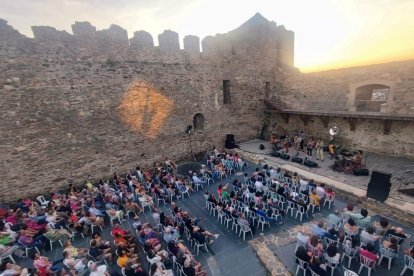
(188, 131)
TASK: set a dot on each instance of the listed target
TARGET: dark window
(226, 92)
(198, 121)
(267, 90)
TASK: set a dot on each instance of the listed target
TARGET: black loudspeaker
(297, 159)
(361, 172)
(230, 143)
(261, 147)
(284, 156)
(379, 186)
(275, 153)
(310, 163)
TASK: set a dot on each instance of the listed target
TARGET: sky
(329, 34)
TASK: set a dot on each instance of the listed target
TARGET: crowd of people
(353, 235)
(263, 197)
(32, 227)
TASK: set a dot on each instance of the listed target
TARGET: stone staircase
(275, 103)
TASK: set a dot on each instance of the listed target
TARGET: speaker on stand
(379, 186)
(230, 143)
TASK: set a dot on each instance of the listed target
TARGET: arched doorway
(198, 121)
(370, 97)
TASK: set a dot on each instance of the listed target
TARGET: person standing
(319, 149)
(286, 145)
(310, 146)
(297, 141)
(331, 150)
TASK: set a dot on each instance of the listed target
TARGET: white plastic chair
(292, 207)
(299, 243)
(8, 254)
(96, 261)
(235, 224)
(366, 262)
(399, 241)
(330, 199)
(302, 212)
(262, 221)
(151, 261)
(331, 263)
(408, 264)
(301, 265)
(183, 193)
(245, 229)
(349, 272)
(276, 213)
(197, 245)
(158, 199)
(387, 253)
(220, 215)
(51, 242)
(43, 202)
(329, 241)
(223, 173)
(144, 203)
(27, 248)
(314, 206)
(227, 220)
(113, 218)
(349, 252)
(364, 241)
(208, 179)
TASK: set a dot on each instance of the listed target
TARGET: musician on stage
(297, 141)
(286, 145)
(319, 149)
(331, 149)
(357, 159)
(273, 139)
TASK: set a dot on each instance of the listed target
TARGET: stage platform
(349, 182)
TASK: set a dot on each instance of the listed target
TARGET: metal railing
(277, 103)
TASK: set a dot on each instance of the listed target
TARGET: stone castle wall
(332, 90)
(85, 105)
(368, 135)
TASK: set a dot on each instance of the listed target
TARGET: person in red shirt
(369, 253)
(123, 233)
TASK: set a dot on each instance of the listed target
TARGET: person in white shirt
(272, 172)
(98, 270)
(320, 190)
(197, 180)
(259, 186)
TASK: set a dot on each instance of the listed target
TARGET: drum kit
(346, 161)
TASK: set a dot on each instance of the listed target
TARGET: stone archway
(198, 121)
(371, 96)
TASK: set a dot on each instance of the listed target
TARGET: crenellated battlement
(256, 37)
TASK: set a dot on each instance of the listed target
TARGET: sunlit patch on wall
(144, 109)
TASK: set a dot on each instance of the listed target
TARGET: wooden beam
(305, 119)
(286, 117)
(325, 121)
(387, 127)
(352, 123)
